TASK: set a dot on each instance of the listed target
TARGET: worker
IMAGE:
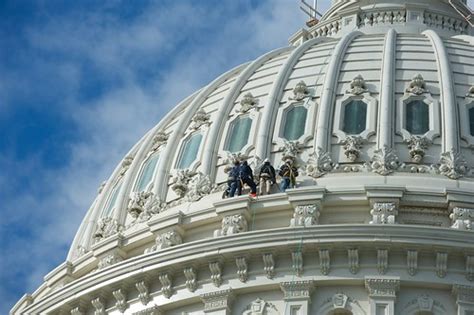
(246, 177)
(234, 180)
(288, 173)
(267, 177)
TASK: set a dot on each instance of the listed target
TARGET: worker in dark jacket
(234, 180)
(246, 176)
(288, 173)
(267, 177)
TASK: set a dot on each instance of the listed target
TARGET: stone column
(382, 294)
(297, 296)
(218, 303)
(464, 299)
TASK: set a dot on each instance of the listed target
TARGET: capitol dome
(374, 104)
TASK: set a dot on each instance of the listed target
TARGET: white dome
(373, 104)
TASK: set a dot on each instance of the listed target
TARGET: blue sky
(80, 83)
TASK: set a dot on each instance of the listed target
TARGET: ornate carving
(247, 103)
(232, 224)
(470, 93)
(462, 218)
(143, 292)
(297, 289)
(201, 118)
(422, 303)
(291, 149)
(300, 91)
(77, 311)
(165, 281)
(199, 186)
(418, 146)
(106, 227)
(165, 240)
(216, 273)
(352, 147)
(382, 261)
(297, 259)
(242, 268)
(154, 310)
(319, 164)
(143, 205)
(385, 161)
(120, 300)
(99, 308)
(452, 165)
(470, 268)
(126, 162)
(412, 262)
(269, 265)
(353, 260)
(109, 260)
(339, 300)
(181, 180)
(191, 278)
(464, 293)
(417, 85)
(358, 86)
(305, 215)
(159, 139)
(384, 213)
(441, 264)
(382, 287)
(324, 261)
(219, 300)
(260, 307)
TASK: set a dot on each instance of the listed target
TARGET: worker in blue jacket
(246, 176)
(234, 180)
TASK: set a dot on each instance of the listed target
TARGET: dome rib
(328, 92)
(448, 94)
(264, 135)
(216, 131)
(384, 133)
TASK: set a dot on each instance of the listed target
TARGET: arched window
(417, 117)
(355, 117)
(295, 121)
(471, 121)
(111, 202)
(146, 174)
(189, 151)
(239, 131)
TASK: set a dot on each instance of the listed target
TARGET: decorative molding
(120, 300)
(232, 224)
(417, 146)
(181, 180)
(242, 268)
(441, 264)
(452, 165)
(247, 103)
(417, 86)
(143, 292)
(412, 262)
(77, 311)
(216, 273)
(201, 118)
(358, 86)
(153, 310)
(324, 261)
(159, 139)
(126, 162)
(353, 260)
(319, 163)
(300, 92)
(384, 213)
(339, 301)
(166, 284)
(352, 146)
(199, 186)
(165, 240)
(297, 262)
(219, 300)
(382, 261)
(260, 307)
(191, 278)
(305, 215)
(109, 260)
(382, 286)
(269, 265)
(381, 17)
(291, 149)
(106, 227)
(297, 290)
(143, 205)
(384, 161)
(462, 218)
(470, 268)
(99, 307)
(463, 293)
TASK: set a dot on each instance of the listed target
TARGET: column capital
(297, 290)
(385, 287)
(218, 300)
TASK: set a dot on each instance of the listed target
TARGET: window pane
(108, 210)
(189, 151)
(146, 174)
(239, 134)
(417, 117)
(471, 120)
(355, 117)
(295, 123)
